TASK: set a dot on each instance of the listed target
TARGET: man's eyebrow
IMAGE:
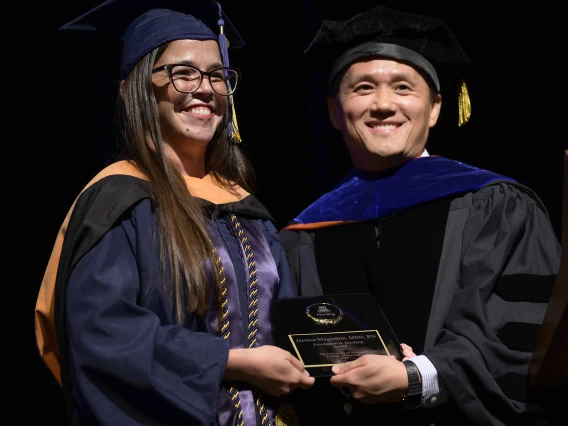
(398, 75)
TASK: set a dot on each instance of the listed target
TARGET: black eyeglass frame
(167, 68)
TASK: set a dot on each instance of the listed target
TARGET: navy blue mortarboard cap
(155, 27)
(116, 34)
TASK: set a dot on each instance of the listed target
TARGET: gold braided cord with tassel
(464, 105)
(236, 136)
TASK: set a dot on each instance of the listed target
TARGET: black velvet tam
(428, 36)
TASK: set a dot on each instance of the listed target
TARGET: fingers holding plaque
(332, 329)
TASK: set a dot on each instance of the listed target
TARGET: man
(462, 260)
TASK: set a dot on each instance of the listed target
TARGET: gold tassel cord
(464, 105)
(235, 127)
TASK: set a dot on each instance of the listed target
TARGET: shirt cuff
(432, 392)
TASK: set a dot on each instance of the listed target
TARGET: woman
(156, 304)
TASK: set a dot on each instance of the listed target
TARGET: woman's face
(189, 120)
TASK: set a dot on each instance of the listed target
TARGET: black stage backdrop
(517, 87)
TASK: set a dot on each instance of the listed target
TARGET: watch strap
(414, 398)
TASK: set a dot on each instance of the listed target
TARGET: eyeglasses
(187, 79)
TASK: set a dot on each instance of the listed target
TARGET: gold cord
(236, 134)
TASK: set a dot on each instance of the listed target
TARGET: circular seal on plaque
(286, 416)
(324, 313)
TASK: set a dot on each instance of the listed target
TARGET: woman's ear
(121, 88)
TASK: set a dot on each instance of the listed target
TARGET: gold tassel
(235, 134)
(464, 105)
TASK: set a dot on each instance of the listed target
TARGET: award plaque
(332, 329)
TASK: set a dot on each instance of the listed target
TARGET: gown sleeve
(299, 248)
(510, 256)
(129, 363)
(287, 287)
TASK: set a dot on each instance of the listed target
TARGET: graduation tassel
(464, 105)
(233, 126)
(223, 46)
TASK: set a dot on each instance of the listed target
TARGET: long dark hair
(185, 247)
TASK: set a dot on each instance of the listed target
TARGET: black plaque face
(331, 329)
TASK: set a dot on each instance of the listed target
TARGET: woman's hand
(268, 368)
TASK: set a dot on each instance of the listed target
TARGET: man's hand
(372, 379)
(407, 351)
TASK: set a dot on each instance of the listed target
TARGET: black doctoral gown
(462, 262)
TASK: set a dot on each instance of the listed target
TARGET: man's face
(384, 111)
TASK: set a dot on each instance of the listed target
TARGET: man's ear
(121, 88)
(333, 111)
(435, 112)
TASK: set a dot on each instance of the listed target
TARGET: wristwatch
(414, 398)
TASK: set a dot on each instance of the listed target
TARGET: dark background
(517, 85)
